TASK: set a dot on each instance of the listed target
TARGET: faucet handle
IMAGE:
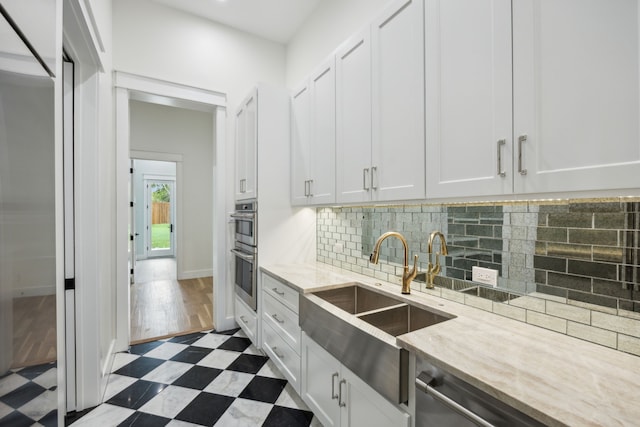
(414, 270)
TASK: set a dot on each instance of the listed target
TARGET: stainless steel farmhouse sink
(359, 326)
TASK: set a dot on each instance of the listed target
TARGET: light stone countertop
(557, 379)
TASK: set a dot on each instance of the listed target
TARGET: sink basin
(356, 299)
(403, 319)
(359, 330)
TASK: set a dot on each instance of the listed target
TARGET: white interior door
(160, 206)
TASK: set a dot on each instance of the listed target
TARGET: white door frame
(130, 86)
(171, 252)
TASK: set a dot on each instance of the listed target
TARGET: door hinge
(171, 228)
(70, 284)
(132, 271)
(131, 204)
(131, 237)
(130, 170)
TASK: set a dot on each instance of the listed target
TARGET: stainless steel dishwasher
(443, 400)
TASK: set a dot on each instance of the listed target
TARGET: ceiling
(275, 20)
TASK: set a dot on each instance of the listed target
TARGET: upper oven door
(245, 228)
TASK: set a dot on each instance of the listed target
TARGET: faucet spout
(434, 270)
(407, 275)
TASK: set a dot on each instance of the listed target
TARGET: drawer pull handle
(333, 386)
(278, 355)
(244, 319)
(341, 402)
(275, 317)
(278, 292)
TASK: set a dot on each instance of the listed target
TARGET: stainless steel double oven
(245, 251)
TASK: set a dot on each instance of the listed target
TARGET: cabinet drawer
(284, 357)
(283, 320)
(281, 292)
(247, 319)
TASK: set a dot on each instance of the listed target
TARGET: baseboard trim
(195, 274)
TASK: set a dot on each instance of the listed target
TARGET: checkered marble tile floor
(28, 396)
(211, 379)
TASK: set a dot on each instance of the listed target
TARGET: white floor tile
(229, 383)
(5, 410)
(48, 379)
(11, 382)
(270, 370)
(211, 341)
(166, 351)
(253, 350)
(104, 415)
(290, 399)
(168, 372)
(245, 413)
(178, 423)
(41, 405)
(220, 359)
(170, 402)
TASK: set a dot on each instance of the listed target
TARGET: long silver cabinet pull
(521, 139)
(374, 177)
(276, 318)
(341, 403)
(501, 142)
(310, 188)
(333, 386)
(306, 188)
(365, 176)
(426, 388)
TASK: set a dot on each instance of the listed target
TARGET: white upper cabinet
(398, 155)
(571, 121)
(313, 138)
(468, 97)
(353, 120)
(576, 95)
(300, 144)
(246, 148)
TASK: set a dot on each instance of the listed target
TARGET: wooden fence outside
(160, 213)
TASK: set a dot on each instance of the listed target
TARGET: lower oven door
(246, 277)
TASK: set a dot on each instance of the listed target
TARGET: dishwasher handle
(424, 383)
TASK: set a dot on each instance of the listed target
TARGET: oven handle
(244, 215)
(243, 255)
(423, 382)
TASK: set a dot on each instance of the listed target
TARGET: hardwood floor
(167, 307)
(34, 330)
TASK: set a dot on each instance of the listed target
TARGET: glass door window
(160, 218)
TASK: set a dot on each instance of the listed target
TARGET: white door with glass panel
(160, 214)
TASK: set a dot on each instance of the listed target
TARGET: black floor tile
(50, 420)
(143, 348)
(236, 344)
(264, 389)
(22, 395)
(137, 394)
(197, 377)
(248, 363)
(140, 367)
(16, 419)
(187, 339)
(142, 419)
(206, 409)
(287, 417)
(32, 372)
(192, 354)
(229, 332)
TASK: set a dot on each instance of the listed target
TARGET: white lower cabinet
(247, 319)
(338, 397)
(280, 330)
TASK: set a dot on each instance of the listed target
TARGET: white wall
(162, 129)
(331, 23)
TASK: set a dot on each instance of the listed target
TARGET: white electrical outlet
(487, 276)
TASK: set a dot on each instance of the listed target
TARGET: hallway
(162, 306)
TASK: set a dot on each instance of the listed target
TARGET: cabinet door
(353, 120)
(320, 382)
(323, 134)
(468, 97)
(246, 145)
(300, 144)
(364, 407)
(576, 95)
(240, 153)
(398, 102)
